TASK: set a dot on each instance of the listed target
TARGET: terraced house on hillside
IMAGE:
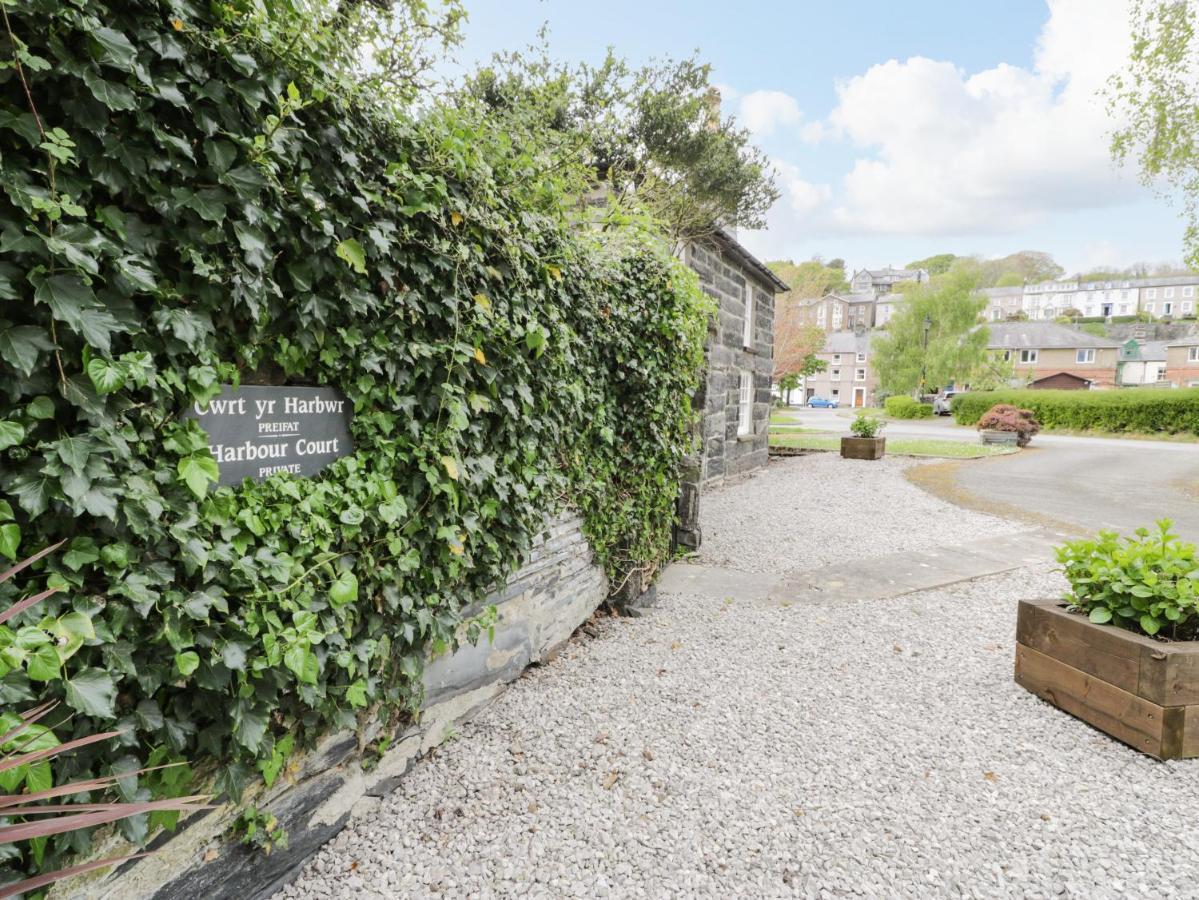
(849, 376)
(1166, 297)
(1045, 350)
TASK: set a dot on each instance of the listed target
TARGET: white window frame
(836, 359)
(1193, 354)
(834, 374)
(1188, 291)
(1167, 309)
(1085, 356)
(859, 374)
(745, 406)
(1168, 293)
(1187, 306)
(747, 333)
(1028, 356)
(861, 357)
(1149, 307)
(1150, 293)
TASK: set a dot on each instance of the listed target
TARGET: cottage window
(745, 410)
(1168, 293)
(861, 357)
(1151, 294)
(1149, 307)
(1007, 355)
(1193, 354)
(747, 337)
(834, 375)
(1188, 305)
(1085, 356)
(1028, 356)
(1167, 309)
(859, 374)
(836, 359)
(1188, 291)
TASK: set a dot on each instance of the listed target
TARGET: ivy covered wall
(187, 204)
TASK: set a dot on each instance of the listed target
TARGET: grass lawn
(897, 447)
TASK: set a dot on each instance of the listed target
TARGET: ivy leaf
(356, 694)
(11, 434)
(351, 252)
(106, 375)
(115, 49)
(345, 589)
(73, 302)
(32, 492)
(535, 340)
(21, 346)
(40, 408)
(93, 692)
(10, 539)
(451, 467)
(43, 664)
(115, 96)
(187, 662)
(234, 656)
(197, 471)
(483, 302)
(246, 180)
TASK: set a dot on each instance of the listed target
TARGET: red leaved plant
(28, 744)
(1005, 417)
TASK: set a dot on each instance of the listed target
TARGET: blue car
(821, 403)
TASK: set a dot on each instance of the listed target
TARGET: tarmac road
(1085, 482)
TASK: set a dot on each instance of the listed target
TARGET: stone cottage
(735, 396)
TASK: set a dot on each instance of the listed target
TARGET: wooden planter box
(863, 448)
(999, 437)
(1138, 690)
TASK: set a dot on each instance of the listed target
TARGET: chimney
(712, 102)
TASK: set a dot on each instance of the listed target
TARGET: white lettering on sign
(315, 406)
(315, 448)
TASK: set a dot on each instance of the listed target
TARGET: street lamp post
(928, 323)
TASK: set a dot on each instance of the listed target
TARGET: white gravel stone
(810, 511)
(725, 749)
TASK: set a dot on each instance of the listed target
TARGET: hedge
(903, 407)
(1136, 410)
(203, 209)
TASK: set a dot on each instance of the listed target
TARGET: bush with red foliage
(1005, 417)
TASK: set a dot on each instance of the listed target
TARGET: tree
(1009, 279)
(934, 338)
(934, 265)
(810, 279)
(795, 346)
(652, 137)
(1157, 96)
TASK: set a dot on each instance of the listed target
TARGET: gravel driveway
(733, 747)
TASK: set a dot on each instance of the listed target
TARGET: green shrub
(1135, 410)
(902, 406)
(1148, 583)
(865, 426)
(206, 209)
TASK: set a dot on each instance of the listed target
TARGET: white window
(1151, 293)
(745, 410)
(861, 357)
(834, 375)
(1123, 309)
(836, 359)
(747, 337)
(1007, 355)
(1188, 305)
(1167, 309)
(1168, 293)
(1149, 307)
(836, 393)
(1193, 354)
(1188, 291)
(859, 374)
(1085, 356)
(1028, 356)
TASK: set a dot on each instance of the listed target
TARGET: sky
(897, 129)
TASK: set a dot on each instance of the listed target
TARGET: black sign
(255, 431)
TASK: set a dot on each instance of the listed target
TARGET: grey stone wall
(539, 608)
(723, 277)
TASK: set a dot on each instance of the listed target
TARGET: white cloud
(763, 112)
(998, 150)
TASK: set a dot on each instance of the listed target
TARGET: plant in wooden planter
(1122, 651)
(866, 442)
(1004, 423)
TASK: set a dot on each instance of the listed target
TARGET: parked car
(943, 403)
(822, 403)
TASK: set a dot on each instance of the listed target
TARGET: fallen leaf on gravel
(990, 776)
(675, 645)
(895, 648)
(661, 672)
(647, 753)
(533, 807)
(1045, 817)
(213, 854)
(612, 778)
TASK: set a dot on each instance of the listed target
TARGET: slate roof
(1042, 336)
(1189, 341)
(860, 297)
(730, 243)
